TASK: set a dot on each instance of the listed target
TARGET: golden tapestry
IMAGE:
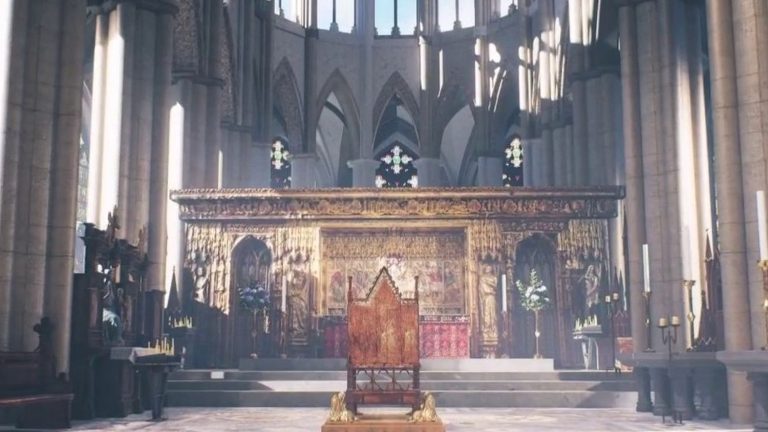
(437, 258)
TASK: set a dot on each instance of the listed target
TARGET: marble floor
(456, 419)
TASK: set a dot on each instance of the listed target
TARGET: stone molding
(418, 203)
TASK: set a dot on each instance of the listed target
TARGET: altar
(302, 246)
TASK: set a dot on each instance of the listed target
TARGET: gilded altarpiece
(458, 241)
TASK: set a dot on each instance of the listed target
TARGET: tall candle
(686, 254)
(504, 293)
(762, 229)
(646, 270)
(284, 294)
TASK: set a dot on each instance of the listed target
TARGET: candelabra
(648, 338)
(763, 264)
(612, 301)
(688, 287)
(669, 332)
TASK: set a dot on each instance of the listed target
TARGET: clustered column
(38, 185)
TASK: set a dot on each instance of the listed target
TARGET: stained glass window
(281, 165)
(513, 163)
(396, 168)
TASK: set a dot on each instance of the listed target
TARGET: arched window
(280, 161)
(395, 17)
(513, 163)
(396, 168)
(336, 15)
(455, 14)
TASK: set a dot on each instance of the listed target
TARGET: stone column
(643, 381)
(303, 171)
(580, 131)
(568, 151)
(6, 21)
(158, 192)
(256, 166)
(760, 386)
(661, 391)
(730, 200)
(595, 159)
(633, 165)
(489, 171)
(546, 163)
(363, 172)
(559, 151)
(430, 172)
(64, 181)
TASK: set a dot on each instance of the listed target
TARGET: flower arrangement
(534, 295)
(254, 297)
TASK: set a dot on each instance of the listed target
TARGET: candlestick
(762, 225)
(646, 269)
(663, 323)
(675, 321)
(615, 296)
(686, 254)
(608, 299)
(504, 293)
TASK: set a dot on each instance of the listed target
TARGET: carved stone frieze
(421, 203)
(448, 244)
(207, 260)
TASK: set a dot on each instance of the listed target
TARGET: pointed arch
(337, 85)
(287, 101)
(396, 86)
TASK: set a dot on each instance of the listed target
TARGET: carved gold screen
(437, 257)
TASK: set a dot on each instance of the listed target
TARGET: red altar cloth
(439, 337)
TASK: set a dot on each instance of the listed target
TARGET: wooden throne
(383, 336)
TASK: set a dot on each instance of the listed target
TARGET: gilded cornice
(421, 203)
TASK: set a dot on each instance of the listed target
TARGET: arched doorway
(537, 252)
(251, 288)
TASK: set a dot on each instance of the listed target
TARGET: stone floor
(456, 419)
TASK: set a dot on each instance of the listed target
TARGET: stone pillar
(546, 163)
(303, 171)
(643, 381)
(760, 389)
(158, 192)
(661, 392)
(580, 132)
(595, 158)
(730, 200)
(39, 144)
(633, 163)
(489, 171)
(257, 169)
(430, 172)
(682, 391)
(363, 172)
(64, 181)
(707, 389)
(6, 21)
(559, 151)
(568, 154)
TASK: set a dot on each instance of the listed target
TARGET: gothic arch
(396, 86)
(350, 145)
(286, 100)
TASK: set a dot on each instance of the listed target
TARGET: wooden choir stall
(119, 359)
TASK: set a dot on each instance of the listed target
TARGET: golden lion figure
(339, 411)
(427, 413)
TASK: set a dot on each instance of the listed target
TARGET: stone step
(434, 385)
(340, 375)
(433, 364)
(455, 398)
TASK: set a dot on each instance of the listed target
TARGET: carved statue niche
(487, 287)
(251, 264)
(298, 283)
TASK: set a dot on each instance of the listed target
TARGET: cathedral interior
(194, 193)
